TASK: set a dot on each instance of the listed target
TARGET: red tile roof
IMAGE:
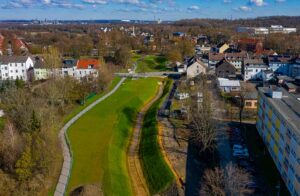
(19, 43)
(88, 64)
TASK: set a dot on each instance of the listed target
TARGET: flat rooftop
(288, 106)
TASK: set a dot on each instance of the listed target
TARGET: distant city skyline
(144, 9)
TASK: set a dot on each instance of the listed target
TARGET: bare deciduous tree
(204, 133)
(229, 181)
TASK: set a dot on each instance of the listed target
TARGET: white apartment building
(15, 67)
(278, 125)
(253, 69)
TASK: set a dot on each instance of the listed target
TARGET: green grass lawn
(152, 63)
(88, 102)
(99, 139)
(158, 174)
(73, 113)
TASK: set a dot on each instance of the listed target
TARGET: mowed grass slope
(158, 174)
(152, 63)
(99, 139)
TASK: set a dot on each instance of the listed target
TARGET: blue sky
(145, 9)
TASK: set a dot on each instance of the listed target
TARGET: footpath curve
(67, 154)
(137, 177)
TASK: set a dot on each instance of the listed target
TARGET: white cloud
(193, 8)
(95, 1)
(243, 8)
(257, 2)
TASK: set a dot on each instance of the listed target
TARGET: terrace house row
(29, 68)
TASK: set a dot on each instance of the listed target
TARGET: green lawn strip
(88, 102)
(99, 139)
(157, 173)
(73, 113)
(152, 63)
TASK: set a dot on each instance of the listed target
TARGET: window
(293, 153)
(287, 149)
(248, 103)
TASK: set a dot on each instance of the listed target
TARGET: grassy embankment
(58, 161)
(99, 139)
(152, 63)
(157, 173)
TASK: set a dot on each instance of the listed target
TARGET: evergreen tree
(24, 165)
(35, 123)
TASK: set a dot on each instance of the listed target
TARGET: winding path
(67, 154)
(138, 180)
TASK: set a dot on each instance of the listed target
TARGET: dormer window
(90, 66)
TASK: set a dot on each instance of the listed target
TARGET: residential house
(284, 79)
(250, 44)
(250, 99)
(267, 75)
(214, 58)
(253, 69)
(87, 68)
(15, 67)
(203, 49)
(195, 67)
(182, 95)
(236, 59)
(40, 70)
(202, 40)
(220, 48)
(20, 45)
(68, 68)
(228, 86)
(290, 87)
(192, 67)
(224, 69)
(148, 39)
(280, 64)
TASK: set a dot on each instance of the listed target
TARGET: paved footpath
(138, 180)
(66, 169)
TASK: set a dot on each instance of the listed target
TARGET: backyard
(99, 139)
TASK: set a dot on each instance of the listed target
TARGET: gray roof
(69, 63)
(254, 62)
(291, 85)
(39, 64)
(286, 78)
(288, 107)
(13, 59)
(251, 95)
